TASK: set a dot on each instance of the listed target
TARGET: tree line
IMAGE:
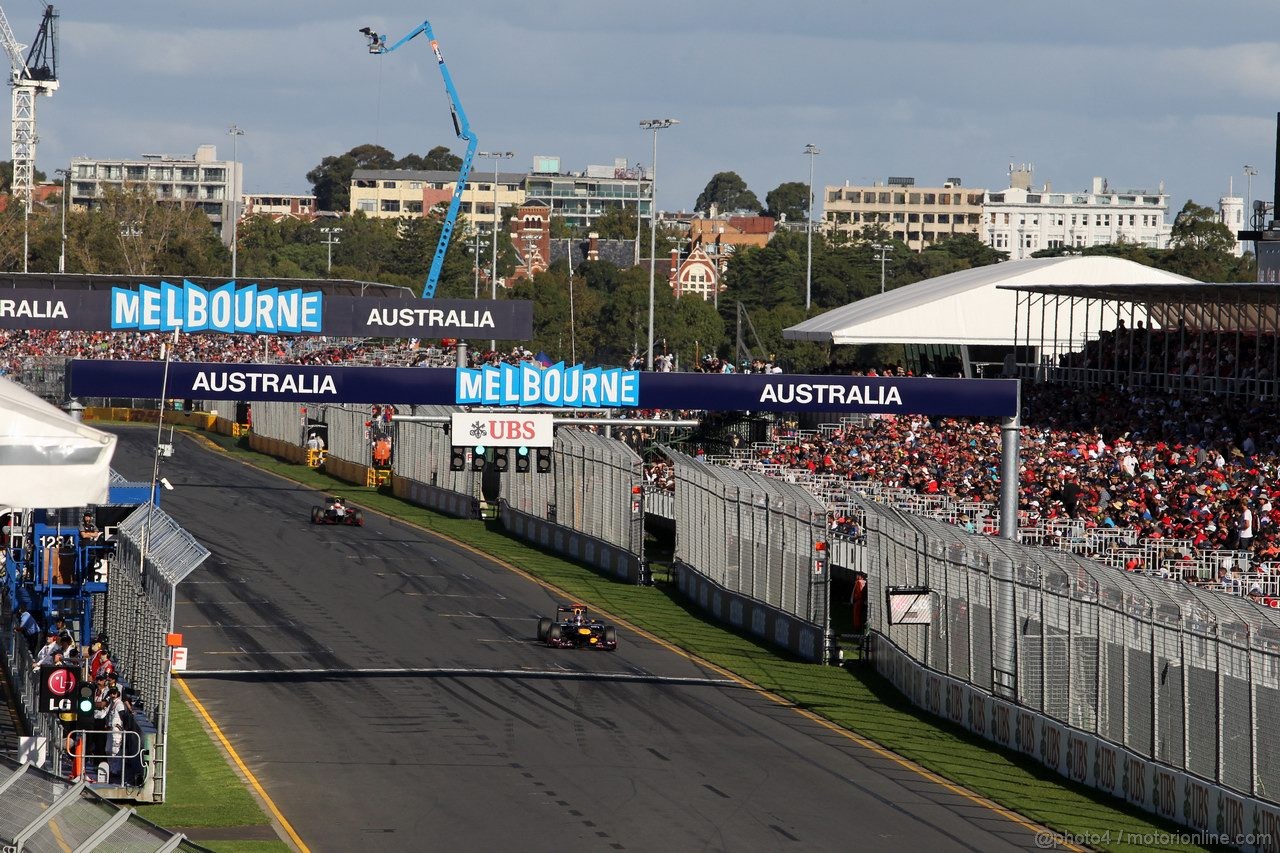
(604, 319)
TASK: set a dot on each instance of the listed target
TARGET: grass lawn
(203, 789)
(854, 697)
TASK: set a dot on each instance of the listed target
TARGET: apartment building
(914, 215)
(391, 193)
(1021, 220)
(201, 180)
(278, 206)
(578, 198)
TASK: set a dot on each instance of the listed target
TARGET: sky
(1137, 92)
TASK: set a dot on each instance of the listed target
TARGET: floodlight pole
(812, 151)
(654, 124)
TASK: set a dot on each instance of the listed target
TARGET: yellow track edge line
(244, 768)
(864, 742)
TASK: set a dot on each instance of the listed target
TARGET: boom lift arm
(462, 127)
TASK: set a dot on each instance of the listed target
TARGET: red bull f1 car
(575, 628)
(335, 511)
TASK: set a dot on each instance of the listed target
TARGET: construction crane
(378, 45)
(35, 75)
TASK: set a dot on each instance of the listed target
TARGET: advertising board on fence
(236, 308)
(449, 387)
(1211, 813)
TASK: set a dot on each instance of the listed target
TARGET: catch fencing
(153, 556)
(282, 421)
(594, 487)
(752, 535)
(421, 452)
(1179, 676)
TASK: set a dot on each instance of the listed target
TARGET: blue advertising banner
(242, 308)
(446, 386)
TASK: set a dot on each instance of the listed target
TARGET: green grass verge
(854, 697)
(202, 789)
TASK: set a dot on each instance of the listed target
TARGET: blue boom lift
(378, 45)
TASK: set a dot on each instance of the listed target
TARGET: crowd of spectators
(113, 738)
(1182, 467)
(1178, 352)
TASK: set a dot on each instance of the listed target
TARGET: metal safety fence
(283, 421)
(349, 436)
(1181, 676)
(751, 535)
(594, 487)
(422, 452)
(153, 555)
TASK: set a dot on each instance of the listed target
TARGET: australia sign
(243, 308)
(509, 386)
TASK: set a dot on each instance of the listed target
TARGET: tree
(728, 192)
(439, 158)
(1203, 248)
(6, 176)
(331, 180)
(1197, 227)
(788, 202)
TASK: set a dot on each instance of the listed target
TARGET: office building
(914, 215)
(1021, 220)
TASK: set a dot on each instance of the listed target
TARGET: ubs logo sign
(1135, 780)
(1026, 734)
(1166, 791)
(1001, 727)
(955, 702)
(933, 695)
(1077, 758)
(1230, 816)
(1050, 745)
(1104, 767)
(1195, 806)
(977, 712)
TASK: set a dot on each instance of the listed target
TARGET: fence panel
(751, 534)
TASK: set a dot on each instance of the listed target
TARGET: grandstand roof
(88, 281)
(974, 306)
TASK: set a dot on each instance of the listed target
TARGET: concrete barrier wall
(1211, 813)
(432, 497)
(768, 623)
(608, 558)
(199, 420)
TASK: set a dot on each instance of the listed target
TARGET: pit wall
(1212, 814)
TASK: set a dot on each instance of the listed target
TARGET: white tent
(47, 458)
(967, 308)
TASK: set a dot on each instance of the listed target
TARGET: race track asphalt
(477, 738)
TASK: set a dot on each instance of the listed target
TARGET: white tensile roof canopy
(967, 307)
(48, 459)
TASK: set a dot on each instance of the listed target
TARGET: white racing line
(463, 672)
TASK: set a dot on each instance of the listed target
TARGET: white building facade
(201, 180)
(1021, 221)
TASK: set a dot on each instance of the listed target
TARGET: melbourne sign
(510, 386)
(501, 429)
(234, 308)
(556, 385)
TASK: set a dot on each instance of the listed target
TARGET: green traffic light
(524, 451)
(479, 450)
